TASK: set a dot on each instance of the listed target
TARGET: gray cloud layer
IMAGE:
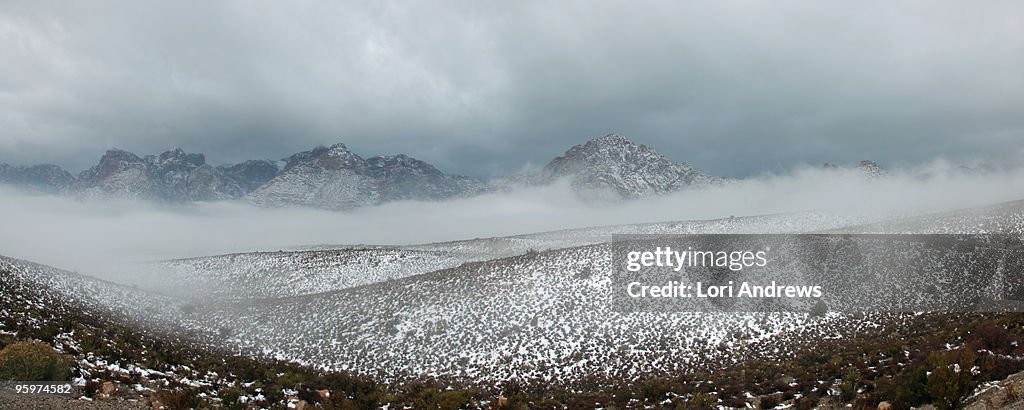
(482, 88)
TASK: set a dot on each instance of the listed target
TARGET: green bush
(703, 401)
(851, 383)
(951, 380)
(33, 361)
(230, 398)
(909, 388)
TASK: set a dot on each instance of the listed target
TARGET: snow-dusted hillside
(541, 315)
(96, 295)
(294, 273)
(281, 274)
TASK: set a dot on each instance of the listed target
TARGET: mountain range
(336, 178)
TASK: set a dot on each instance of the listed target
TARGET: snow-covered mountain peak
(335, 157)
(872, 169)
(629, 169)
(611, 143)
(611, 139)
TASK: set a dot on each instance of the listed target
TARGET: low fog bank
(99, 238)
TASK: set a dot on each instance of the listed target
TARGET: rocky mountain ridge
(334, 177)
(173, 176)
(46, 178)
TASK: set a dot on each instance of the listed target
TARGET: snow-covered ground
(534, 307)
(324, 269)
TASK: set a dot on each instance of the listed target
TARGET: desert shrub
(340, 403)
(179, 399)
(1003, 367)
(702, 401)
(996, 337)
(90, 343)
(452, 400)
(807, 402)
(734, 401)
(7, 340)
(953, 377)
(654, 389)
(428, 395)
(273, 393)
(908, 388)
(33, 361)
(230, 398)
(851, 382)
(519, 401)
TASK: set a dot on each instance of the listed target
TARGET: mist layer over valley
(99, 236)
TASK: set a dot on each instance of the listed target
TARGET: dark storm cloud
(483, 88)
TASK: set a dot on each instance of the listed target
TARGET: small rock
(502, 401)
(324, 394)
(301, 405)
(108, 388)
(156, 404)
(884, 406)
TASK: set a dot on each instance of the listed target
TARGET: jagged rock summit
(45, 178)
(630, 170)
(173, 176)
(872, 169)
(336, 178)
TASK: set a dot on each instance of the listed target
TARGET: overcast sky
(482, 88)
